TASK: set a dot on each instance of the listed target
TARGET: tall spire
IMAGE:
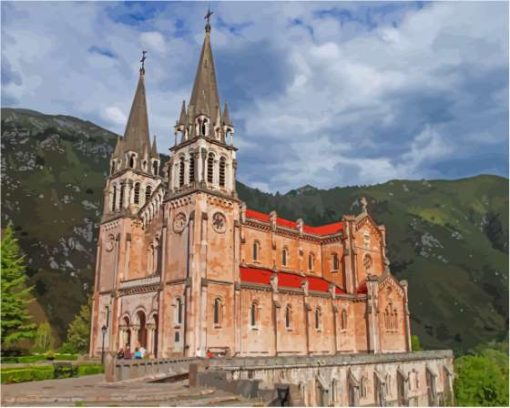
(154, 149)
(136, 136)
(204, 98)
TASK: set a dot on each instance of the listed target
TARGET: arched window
(285, 256)
(222, 172)
(288, 317)
(148, 193)
(343, 320)
(181, 172)
(334, 391)
(210, 168)
(311, 262)
(367, 264)
(114, 198)
(132, 161)
(192, 168)
(122, 189)
(179, 311)
(144, 165)
(256, 250)
(394, 320)
(335, 262)
(155, 168)
(387, 318)
(136, 199)
(254, 314)
(363, 387)
(318, 315)
(113, 167)
(217, 311)
(204, 127)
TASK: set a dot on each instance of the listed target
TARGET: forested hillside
(449, 239)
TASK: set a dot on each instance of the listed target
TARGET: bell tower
(135, 162)
(202, 216)
(203, 155)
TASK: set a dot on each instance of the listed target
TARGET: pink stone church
(185, 269)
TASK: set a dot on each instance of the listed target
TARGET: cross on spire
(208, 19)
(142, 68)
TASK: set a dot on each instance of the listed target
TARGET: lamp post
(103, 330)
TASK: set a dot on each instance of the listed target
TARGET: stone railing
(151, 369)
(149, 280)
(252, 363)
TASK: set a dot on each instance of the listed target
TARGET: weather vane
(208, 18)
(142, 69)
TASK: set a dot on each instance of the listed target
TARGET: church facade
(184, 268)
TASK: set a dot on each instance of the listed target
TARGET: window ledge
(254, 327)
(217, 326)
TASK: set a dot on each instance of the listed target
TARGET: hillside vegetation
(449, 239)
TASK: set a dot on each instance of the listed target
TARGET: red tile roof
(257, 215)
(327, 229)
(286, 279)
(362, 288)
(255, 275)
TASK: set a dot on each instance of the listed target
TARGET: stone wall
(414, 379)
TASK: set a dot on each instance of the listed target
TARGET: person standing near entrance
(142, 351)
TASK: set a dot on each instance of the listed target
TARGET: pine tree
(16, 322)
(78, 332)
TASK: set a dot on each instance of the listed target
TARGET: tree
(78, 332)
(44, 340)
(482, 379)
(415, 343)
(16, 323)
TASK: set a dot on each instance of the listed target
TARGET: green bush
(48, 372)
(89, 369)
(482, 378)
(34, 358)
(17, 375)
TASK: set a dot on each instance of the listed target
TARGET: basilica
(184, 268)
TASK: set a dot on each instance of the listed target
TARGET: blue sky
(321, 93)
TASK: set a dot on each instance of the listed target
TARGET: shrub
(17, 375)
(482, 379)
(89, 369)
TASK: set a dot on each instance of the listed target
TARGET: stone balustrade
(150, 280)
(154, 369)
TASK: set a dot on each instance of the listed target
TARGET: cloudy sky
(321, 93)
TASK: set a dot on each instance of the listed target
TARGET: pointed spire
(204, 97)
(136, 136)
(154, 149)
(182, 117)
(119, 148)
(226, 116)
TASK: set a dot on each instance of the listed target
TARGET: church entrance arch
(142, 332)
(126, 340)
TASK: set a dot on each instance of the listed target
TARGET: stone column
(134, 336)
(407, 328)
(151, 328)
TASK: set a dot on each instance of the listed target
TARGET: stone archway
(142, 331)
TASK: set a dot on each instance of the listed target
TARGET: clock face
(219, 222)
(179, 222)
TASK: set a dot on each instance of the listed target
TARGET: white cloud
(154, 41)
(357, 103)
(115, 115)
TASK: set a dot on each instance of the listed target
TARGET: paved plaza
(94, 391)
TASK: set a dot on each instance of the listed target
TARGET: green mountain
(449, 239)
